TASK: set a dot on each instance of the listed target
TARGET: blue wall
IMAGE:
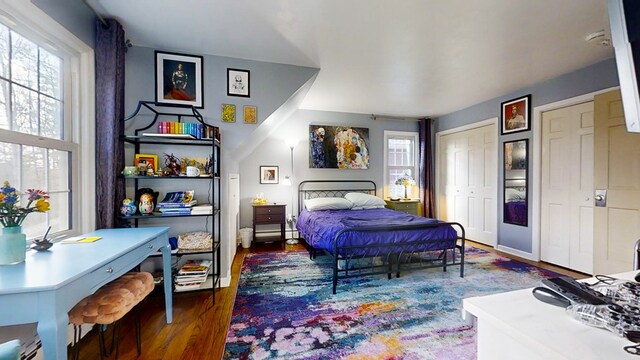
(74, 15)
(596, 77)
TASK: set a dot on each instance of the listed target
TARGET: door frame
(536, 178)
(439, 134)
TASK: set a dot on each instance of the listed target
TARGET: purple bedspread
(319, 229)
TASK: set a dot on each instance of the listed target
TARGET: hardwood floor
(199, 328)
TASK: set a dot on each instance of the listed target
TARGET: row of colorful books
(192, 274)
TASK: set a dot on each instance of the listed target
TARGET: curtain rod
(395, 117)
(102, 20)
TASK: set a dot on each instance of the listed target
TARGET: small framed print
(516, 114)
(150, 160)
(178, 80)
(228, 113)
(250, 114)
(269, 174)
(238, 82)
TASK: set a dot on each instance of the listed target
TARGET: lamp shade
(286, 181)
(291, 142)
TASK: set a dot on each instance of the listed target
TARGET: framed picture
(250, 114)
(516, 114)
(151, 160)
(178, 80)
(228, 113)
(516, 166)
(269, 174)
(338, 147)
(238, 83)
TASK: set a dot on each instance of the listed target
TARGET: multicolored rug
(284, 309)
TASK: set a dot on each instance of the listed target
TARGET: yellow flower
(42, 205)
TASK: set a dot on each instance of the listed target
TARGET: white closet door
(468, 171)
(567, 186)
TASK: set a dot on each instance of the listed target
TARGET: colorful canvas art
(338, 147)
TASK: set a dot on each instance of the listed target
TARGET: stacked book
(192, 274)
(177, 203)
(204, 209)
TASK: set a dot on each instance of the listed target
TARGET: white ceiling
(406, 57)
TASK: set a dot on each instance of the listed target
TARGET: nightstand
(408, 206)
(269, 214)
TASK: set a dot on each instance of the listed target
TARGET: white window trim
(390, 134)
(32, 21)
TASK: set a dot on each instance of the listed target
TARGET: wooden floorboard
(199, 328)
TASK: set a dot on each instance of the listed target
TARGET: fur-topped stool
(108, 305)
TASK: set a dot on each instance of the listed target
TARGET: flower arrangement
(406, 180)
(11, 214)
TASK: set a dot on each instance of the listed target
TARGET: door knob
(598, 198)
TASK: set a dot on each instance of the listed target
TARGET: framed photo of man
(269, 175)
(516, 115)
(179, 80)
(238, 82)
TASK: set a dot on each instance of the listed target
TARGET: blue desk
(48, 284)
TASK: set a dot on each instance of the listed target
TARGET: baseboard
(516, 252)
(225, 281)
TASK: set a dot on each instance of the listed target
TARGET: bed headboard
(311, 189)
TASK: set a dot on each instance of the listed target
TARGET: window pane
(33, 169)
(400, 152)
(35, 224)
(50, 74)
(50, 117)
(4, 51)
(24, 61)
(9, 163)
(59, 211)
(24, 110)
(4, 102)
(58, 171)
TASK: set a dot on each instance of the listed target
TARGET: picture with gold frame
(228, 113)
(250, 114)
(150, 159)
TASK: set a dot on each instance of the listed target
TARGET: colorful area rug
(284, 309)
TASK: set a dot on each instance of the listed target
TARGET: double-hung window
(400, 159)
(40, 138)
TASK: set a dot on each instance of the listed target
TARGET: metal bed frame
(380, 258)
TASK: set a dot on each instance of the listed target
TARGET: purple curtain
(109, 52)
(427, 176)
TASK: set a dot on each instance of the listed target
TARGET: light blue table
(48, 284)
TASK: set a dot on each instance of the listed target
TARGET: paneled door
(468, 171)
(617, 170)
(566, 216)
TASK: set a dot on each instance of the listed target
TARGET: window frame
(78, 79)
(391, 134)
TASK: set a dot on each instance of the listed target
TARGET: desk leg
(52, 329)
(168, 282)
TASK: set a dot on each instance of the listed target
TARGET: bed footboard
(399, 254)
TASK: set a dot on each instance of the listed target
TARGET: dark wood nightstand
(407, 206)
(269, 214)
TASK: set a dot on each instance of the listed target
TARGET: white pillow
(514, 194)
(328, 203)
(365, 201)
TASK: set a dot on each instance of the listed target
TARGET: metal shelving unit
(140, 139)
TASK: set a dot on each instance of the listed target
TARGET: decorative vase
(13, 245)
(406, 196)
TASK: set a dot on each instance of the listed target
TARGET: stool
(108, 305)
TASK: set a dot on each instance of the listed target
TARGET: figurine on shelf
(173, 163)
(128, 208)
(146, 204)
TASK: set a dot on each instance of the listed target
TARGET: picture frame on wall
(269, 174)
(238, 82)
(151, 161)
(250, 114)
(516, 115)
(228, 113)
(179, 79)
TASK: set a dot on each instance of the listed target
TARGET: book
(175, 211)
(202, 209)
(178, 199)
(81, 239)
(195, 267)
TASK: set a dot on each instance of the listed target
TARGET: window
(41, 141)
(400, 158)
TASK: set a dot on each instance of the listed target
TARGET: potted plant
(406, 180)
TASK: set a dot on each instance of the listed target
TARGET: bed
(373, 240)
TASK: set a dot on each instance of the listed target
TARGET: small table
(269, 214)
(409, 206)
(515, 325)
(48, 284)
